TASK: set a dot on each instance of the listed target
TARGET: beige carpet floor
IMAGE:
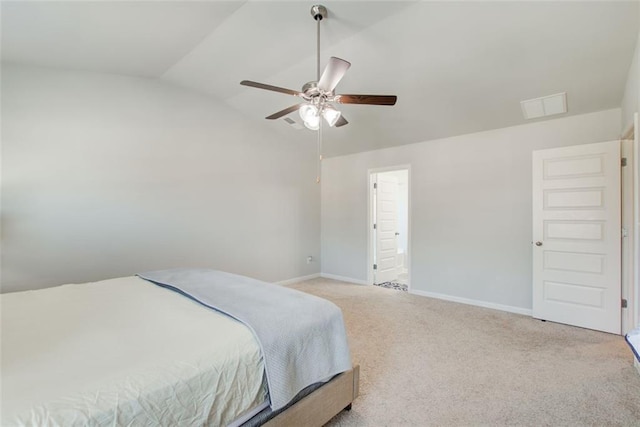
(426, 362)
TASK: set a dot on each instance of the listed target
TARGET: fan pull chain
(319, 152)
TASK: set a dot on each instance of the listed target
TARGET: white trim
(370, 181)
(297, 279)
(485, 304)
(636, 214)
(637, 365)
(343, 279)
(628, 317)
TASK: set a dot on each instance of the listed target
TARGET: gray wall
(105, 176)
(470, 207)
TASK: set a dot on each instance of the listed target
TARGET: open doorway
(389, 237)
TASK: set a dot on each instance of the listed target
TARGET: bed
(131, 351)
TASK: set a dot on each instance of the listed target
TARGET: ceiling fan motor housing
(311, 90)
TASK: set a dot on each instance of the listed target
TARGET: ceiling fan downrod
(319, 13)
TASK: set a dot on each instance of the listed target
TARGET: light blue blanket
(302, 337)
(633, 338)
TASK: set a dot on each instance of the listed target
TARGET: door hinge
(624, 303)
(375, 226)
(625, 233)
(375, 185)
(375, 266)
(623, 161)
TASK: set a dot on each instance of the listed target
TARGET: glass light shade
(312, 121)
(314, 125)
(310, 116)
(330, 114)
(308, 112)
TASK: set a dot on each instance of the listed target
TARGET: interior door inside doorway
(576, 235)
(390, 211)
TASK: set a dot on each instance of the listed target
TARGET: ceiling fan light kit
(310, 117)
(331, 115)
(319, 95)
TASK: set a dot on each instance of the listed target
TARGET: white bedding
(124, 352)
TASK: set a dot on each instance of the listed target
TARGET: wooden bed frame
(323, 404)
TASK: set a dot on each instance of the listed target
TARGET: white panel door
(386, 228)
(576, 236)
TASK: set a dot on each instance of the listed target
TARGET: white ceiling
(456, 67)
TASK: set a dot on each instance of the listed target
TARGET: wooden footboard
(323, 404)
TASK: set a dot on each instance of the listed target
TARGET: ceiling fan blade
(366, 99)
(341, 122)
(333, 73)
(269, 87)
(283, 112)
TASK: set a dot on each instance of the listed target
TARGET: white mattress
(125, 352)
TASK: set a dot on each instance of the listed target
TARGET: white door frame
(370, 235)
(636, 203)
(631, 248)
(636, 218)
(628, 242)
(634, 283)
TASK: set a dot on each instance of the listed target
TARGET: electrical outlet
(309, 259)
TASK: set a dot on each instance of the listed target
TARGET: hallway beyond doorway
(389, 213)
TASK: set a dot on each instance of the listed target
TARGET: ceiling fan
(319, 95)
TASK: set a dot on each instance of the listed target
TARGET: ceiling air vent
(544, 106)
(293, 123)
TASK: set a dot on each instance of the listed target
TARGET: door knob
(538, 243)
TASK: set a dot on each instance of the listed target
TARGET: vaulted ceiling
(456, 67)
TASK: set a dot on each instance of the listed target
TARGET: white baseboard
(297, 279)
(343, 279)
(636, 364)
(494, 306)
